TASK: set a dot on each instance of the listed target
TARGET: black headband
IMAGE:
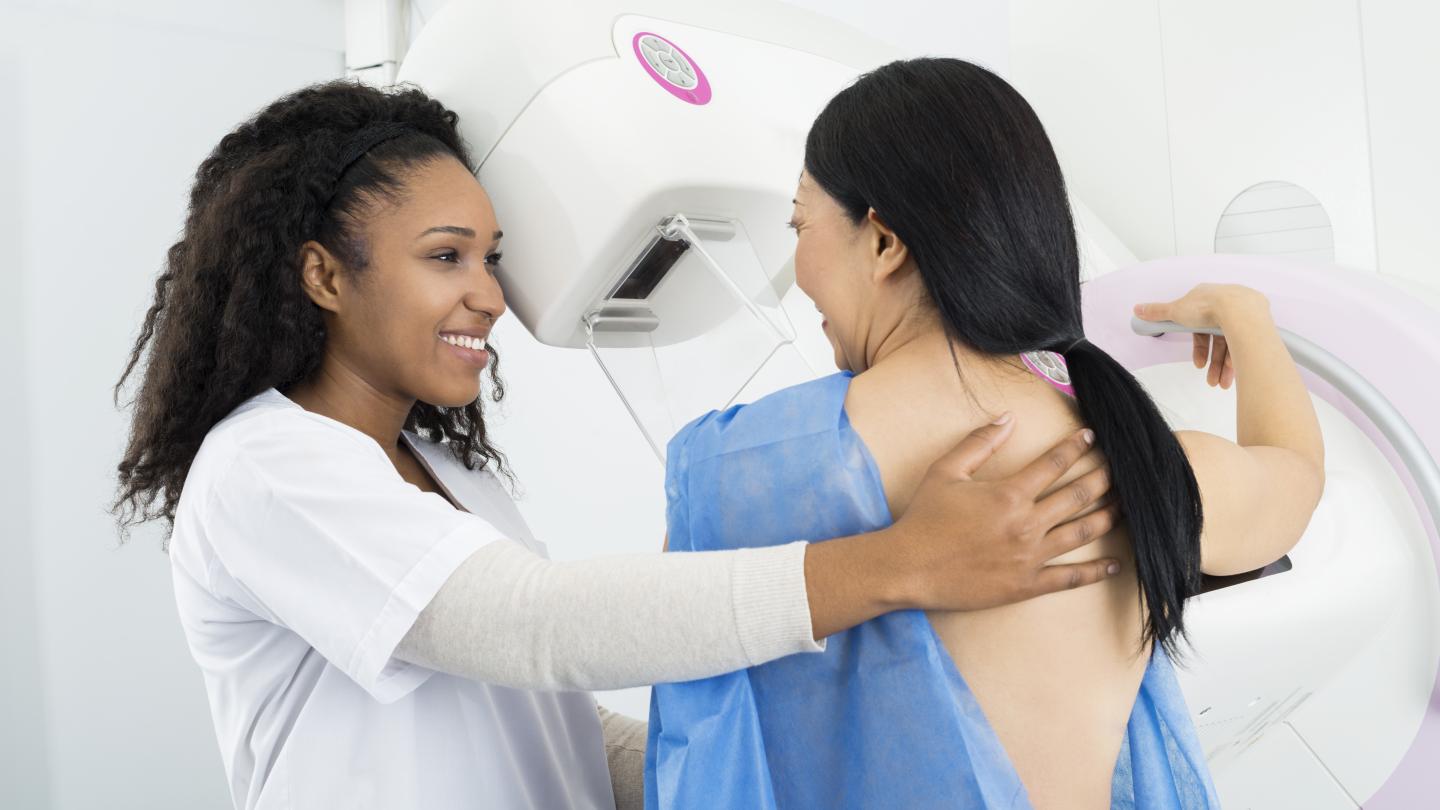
(362, 142)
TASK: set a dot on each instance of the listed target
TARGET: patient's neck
(916, 353)
(900, 337)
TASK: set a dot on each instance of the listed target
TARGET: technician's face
(429, 286)
(832, 266)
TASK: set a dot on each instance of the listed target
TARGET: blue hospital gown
(881, 718)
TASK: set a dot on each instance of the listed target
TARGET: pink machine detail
(671, 68)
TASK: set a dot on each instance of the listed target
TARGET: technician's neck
(341, 394)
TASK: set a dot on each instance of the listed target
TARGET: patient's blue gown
(881, 718)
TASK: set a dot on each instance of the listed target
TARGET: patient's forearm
(1273, 407)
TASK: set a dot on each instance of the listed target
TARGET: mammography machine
(644, 155)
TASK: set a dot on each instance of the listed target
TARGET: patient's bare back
(1057, 675)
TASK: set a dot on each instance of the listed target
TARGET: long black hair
(230, 318)
(953, 159)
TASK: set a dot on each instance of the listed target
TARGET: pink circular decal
(1052, 367)
(671, 68)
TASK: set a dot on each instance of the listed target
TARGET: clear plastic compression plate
(694, 324)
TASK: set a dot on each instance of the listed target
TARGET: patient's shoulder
(800, 410)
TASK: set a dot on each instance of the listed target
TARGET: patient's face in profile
(858, 274)
(827, 268)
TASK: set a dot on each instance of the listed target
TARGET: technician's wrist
(900, 578)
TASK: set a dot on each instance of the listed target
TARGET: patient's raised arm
(1259, 491)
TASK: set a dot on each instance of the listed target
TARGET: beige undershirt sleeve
(510, 617)
(625, 754)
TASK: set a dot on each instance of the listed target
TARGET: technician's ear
(320, 275)
(890, 254)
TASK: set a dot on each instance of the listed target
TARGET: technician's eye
(448, 256)
(792, 226)
(493, 260)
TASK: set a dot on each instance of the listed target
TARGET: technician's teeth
(464, 341)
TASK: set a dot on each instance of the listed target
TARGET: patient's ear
(890, 255)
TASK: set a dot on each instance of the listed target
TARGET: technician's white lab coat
(300, 559)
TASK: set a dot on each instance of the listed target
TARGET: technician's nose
(487, 297)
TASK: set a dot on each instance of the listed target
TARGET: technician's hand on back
(969, 545)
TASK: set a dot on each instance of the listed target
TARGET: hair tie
(1073, 344)
(367, 138)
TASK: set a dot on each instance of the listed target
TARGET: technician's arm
(509, 617)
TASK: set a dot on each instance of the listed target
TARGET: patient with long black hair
(935, 236)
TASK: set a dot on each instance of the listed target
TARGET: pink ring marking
(698, 95)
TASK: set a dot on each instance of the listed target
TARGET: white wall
(108, 107)
(1267, 91)
(24, 735)
(1402, 70)
(1163, 111)
(1095, 75)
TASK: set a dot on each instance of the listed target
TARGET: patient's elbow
(1315, 481)
(1303, 477)
(1315, 463)
(1308, 486)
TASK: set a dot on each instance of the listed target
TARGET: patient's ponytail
(1152, 479)
(957, 163)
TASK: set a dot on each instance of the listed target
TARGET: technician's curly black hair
(230, 319)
